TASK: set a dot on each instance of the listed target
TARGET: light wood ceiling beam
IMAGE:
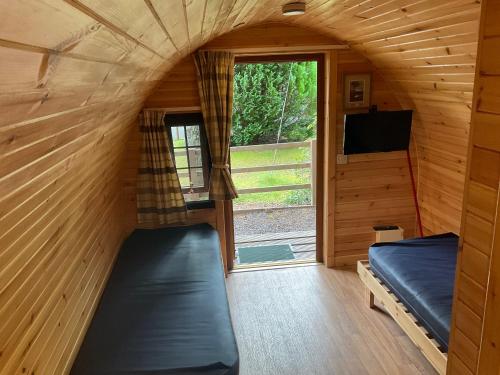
(54, 52)
(89, 12)
(161, 24)
(186, 23)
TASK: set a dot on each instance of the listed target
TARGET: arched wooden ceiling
(92, 57)
(61, 44)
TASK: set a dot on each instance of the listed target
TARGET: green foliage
(260, 91)
(298, 197)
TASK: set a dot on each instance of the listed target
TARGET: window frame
(185, 120)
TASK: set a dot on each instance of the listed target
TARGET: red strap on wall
(415, 199)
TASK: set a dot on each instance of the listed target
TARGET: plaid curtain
(215, 71)
(159, 197)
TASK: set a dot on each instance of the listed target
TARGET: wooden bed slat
(407, 321)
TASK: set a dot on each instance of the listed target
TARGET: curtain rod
(175, 109)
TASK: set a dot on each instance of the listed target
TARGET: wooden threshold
(273, 265)
(408, 323)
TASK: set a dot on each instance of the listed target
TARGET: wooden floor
(303, 242)
(312, 320)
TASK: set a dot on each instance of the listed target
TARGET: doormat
(269, 253)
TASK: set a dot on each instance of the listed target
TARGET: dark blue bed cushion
(421, 273)
(164, 309)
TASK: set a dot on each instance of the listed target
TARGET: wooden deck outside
(303, 242)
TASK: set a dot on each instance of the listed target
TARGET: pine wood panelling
(426, 51)
(271, 35)
(135, 20)
(179, 89)
(475, 329)
(42, 249)
(74, 75)
(371, 189)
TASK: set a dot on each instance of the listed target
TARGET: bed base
(375, 288)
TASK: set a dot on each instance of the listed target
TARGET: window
(190, 148)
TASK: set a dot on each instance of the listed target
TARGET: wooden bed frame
(375, 288)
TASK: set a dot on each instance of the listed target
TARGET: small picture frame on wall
(357, 88)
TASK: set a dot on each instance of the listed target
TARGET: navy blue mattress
(164, 309)
(421, 273)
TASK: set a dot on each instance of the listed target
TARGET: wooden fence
(278, 167)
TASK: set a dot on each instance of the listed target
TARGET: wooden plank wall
(65, 108)
(371, 189)
(426, 52)
(179, 89)
(475, 337)
(74, 74)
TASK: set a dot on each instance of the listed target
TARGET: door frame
(319, 57)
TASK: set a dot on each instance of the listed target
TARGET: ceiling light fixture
(294, 9)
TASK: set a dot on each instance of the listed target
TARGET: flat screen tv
(379, 131)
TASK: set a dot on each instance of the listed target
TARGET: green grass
(275, 198)
(271, 178)
(179, 142)
(240, 159)
(181, 161)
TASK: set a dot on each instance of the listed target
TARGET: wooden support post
(221, 228)
(314, 158)
(329, 158)
(370, 298)
(229, 227)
